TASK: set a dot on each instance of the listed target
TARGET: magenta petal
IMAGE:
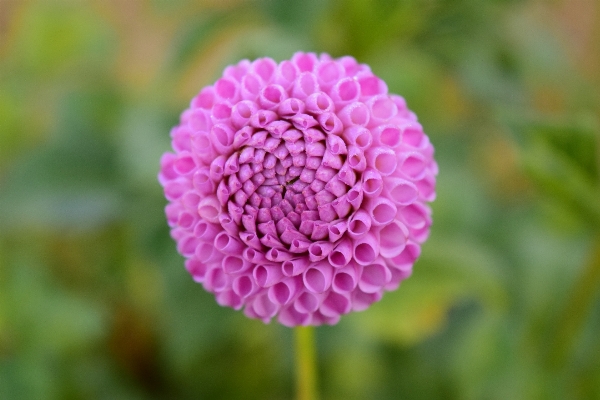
(356, 158)
(278, 255)
(317, 278)
(271, 96)
(366, 249)
(286, 73)
(251, 240)
(242, 112)
(204, 99)
(209, 209)
(217, 168)
(319, 103)
(228, 224)
(372, 86)
(232, 165)
(372, 183)
(244, 286)
(355, 196)
(228, 298)
(393, 238)
(381, 210)
(329, 73)
(208, 253)
(290, 317)
(341, 255)
(291, 107)
(374, 277)
(283, 292)
(303, 121)
(267, 275)
(295, 266)
(320, 230)
(388, 135)
(336, 304)
(330, 123)
(253, 255)
(342, 206)
(299, 246)
(228, 244)
(203, 183)
(221, 137)
(264, 307)
(278, 128)
(234, 264)
(337, 229)
(199, 121)
(347, 90)
(223, 193)
(262, 118)
(358, 136)
(196, 268)
(361, 300)
(319, 250)
(206, 231)
(216, 280)
(250, 86)
(382, 109)
(314, 135)
(400, 191)
(382, 159)
(187, 245)
(305, 62)
(305, 85)
(355, 114)
(346, 278)
(308, 302)
(242, 137)
(412, 164)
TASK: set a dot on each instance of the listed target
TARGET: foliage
(94, 300)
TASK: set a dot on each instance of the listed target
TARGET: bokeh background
(503, 304)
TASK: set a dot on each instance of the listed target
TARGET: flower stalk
(306, 363)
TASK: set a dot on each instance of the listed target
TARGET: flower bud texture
(298, 190)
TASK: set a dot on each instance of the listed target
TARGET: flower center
(287, 185)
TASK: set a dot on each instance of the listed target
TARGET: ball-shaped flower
(299, 190)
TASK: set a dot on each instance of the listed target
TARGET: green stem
(306, 370)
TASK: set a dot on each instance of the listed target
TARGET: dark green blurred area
(503, 304)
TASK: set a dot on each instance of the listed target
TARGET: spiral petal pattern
(299, 190)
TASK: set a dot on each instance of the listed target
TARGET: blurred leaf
(54, 35)
(580, 303)
(563, 163)
(200, 31)
(12, 134)
(294, 15)
(579, 143)
(68, 182)
(96, 310)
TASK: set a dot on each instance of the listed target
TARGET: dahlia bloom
(299, 190)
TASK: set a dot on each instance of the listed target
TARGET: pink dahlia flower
(299, 190)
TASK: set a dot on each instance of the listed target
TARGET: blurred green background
(503, 304)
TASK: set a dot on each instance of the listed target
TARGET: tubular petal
(366, 249)
(374, 277)
(317, 278)
(393, 238)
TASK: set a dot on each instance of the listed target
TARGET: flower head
(299, 190)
